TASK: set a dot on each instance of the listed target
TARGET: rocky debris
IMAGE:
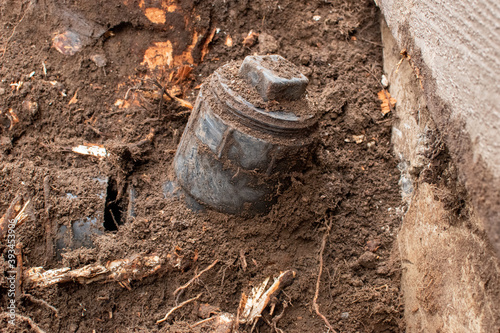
(383, 270)
(30, 106)
(250, 39)
(268, 44)
(99, 59)
(368, 260)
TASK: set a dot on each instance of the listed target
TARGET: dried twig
(19, 317)
(19, 270)
(195, 278)
(316, 294)
(164, 91)
(241, 307)
(9, 215)
(259, 298)
(91, 149)
(122, 271)
(178, 307)
(22, 216)
(14, 215)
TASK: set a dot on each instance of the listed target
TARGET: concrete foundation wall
(455, 50)
(451, 271)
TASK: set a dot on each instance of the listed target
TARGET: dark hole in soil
(121, 27)
(113, 207)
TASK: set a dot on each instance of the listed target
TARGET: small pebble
(368, 260)
(383, 270)
(316, 18)
(384, 81)
(31, 107)
(99, 60)
(356, 282)
(268, 44)
(344, 315)
(2, 91)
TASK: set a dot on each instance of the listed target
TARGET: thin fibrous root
(14, 30)
(33, 299)
(195, 278)
(201, 322)
(278, 317)
(28, 320)
(316, 294)
(178, 307)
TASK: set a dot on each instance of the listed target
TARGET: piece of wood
(19, 270)
(122, 271)
(9, 215)
(259, 299)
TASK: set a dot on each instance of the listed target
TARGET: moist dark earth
(107, 90)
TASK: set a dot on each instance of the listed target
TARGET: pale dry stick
(316, 294)
(178, 307)
(195, 278)
(134, 267)
(30, 321)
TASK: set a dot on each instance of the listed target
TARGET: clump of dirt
(138, 115)
(230, 74)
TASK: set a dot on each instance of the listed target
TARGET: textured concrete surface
(450, 273)
(455, 50)
(460, 42)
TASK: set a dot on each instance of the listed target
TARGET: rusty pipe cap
(273, 77)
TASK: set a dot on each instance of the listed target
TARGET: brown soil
(355, 185)
(299, 107)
